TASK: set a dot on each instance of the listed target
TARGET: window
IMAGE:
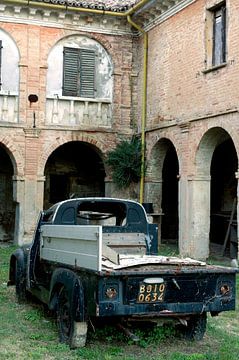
(78, 72)
(219, 35)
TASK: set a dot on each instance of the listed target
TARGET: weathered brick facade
(192, 110)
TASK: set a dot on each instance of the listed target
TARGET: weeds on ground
(28, 332)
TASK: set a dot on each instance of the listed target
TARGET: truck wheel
(71, 332)
(196, 327)
(20, 282)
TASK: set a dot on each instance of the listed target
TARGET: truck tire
(20, 283)
(71, 332)
(196, 327)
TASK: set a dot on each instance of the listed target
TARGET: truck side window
(134, 216)
(68, 216)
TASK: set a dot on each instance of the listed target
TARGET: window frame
(219, 35)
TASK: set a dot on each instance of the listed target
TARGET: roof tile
(110, 5)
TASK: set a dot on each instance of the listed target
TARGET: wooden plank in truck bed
(76, 245)
(126, 243)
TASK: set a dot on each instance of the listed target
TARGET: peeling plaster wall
(104, 67)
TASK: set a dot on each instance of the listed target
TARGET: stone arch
(15, 155)
(8, 192)
(99, 147)
(201, 186)
(74, 168)
(162, 187)
(209, 141)
(157, 156)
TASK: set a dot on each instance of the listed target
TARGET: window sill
(75, 98)
(214, 68)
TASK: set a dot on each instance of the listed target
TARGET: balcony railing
(74, 111)
(8, 107)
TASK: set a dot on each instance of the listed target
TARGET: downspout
(144, 107)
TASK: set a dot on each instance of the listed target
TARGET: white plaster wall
(104, 73)
(10, 61)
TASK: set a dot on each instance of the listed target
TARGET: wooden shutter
(219, 36)
(223, 33)
(87, 73)
(70, 72)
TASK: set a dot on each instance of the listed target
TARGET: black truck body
(96, 258)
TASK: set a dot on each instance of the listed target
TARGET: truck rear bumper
(163, 309)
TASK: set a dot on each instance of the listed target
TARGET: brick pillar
(18, 198)
(153, 193)
(33, 192)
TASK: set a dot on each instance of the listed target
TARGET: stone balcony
(72, 111)
(8, 107)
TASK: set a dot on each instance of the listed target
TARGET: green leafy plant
(125, 162)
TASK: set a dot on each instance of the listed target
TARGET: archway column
(194, 216)
(33, 204)
(153, 193)
(18, 198)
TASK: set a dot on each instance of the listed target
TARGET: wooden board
(126, 243)
(78, 245)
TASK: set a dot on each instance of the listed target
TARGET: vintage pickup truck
(96, 258)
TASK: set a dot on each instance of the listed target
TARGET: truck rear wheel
(70, 331)
(196, 327)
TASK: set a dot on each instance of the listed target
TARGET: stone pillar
(153, 193)
(33, 200)
(194, 217)
(18, 198)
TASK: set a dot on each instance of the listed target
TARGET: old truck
(96, 258)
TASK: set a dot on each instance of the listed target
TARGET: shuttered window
(219, 36)
(78, 72)
(0, 64)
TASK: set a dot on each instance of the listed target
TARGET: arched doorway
(74, 169)
(223, 197)
(214, 191)
(169, 228)
(162, 189)
(7, 207)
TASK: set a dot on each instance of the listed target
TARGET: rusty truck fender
(68, 279)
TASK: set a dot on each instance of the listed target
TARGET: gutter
(79, 9)
(126, 14)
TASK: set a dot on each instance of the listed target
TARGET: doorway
(75, 169)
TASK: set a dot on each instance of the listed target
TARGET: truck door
(34, 253)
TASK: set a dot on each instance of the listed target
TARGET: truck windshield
(101, 213)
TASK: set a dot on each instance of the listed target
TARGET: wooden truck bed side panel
(76, 245)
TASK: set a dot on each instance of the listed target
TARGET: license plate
(151, 293)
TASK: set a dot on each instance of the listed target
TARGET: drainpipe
(144, 107)
(126, 14)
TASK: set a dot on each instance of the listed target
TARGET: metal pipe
(144, 107)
